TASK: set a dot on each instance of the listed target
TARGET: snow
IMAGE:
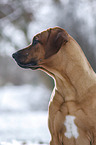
(23, 114)
(25, 126)
(14, 142)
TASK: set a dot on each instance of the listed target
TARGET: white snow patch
(71, 128)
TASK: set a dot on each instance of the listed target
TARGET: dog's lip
(26, 66)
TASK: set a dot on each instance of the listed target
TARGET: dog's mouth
(32, 65)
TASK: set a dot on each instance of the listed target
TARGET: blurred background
(24, 94)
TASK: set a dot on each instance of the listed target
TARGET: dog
(72, 107)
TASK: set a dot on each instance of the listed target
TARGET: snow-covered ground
(25, 127)
(14, 142)
(23, 114)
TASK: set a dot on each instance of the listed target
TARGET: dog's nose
(14, 55)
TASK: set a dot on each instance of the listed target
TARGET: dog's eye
(35, 41)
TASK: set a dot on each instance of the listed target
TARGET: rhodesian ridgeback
(72, 108)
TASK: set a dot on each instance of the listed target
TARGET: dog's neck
(72, 72)
(75, 88)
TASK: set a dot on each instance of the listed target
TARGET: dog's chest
(72, 125)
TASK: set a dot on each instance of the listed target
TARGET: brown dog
(72, 109)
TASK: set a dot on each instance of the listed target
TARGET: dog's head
(44, 45)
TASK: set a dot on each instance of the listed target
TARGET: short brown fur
(58, 54)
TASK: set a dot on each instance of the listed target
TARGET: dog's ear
(55, 42)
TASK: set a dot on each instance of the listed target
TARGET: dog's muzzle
(21, 61)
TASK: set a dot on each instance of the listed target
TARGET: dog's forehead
(43, 36)
(49, 34)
